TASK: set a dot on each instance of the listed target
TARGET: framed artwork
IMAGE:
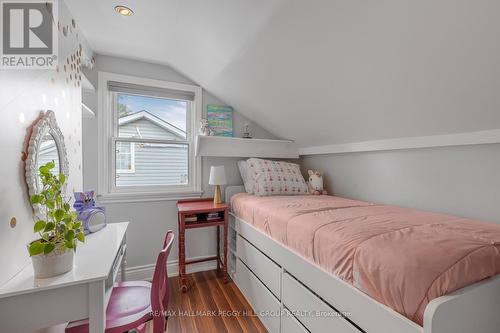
(220, 119)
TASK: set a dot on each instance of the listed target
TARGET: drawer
(110, 281)
(260, 298)
(232, 222)
(263, 267)
(231, 239)
(231, 264)
(315, 313)
(290, 324)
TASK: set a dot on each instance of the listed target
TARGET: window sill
(111, 198)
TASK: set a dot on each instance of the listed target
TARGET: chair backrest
(160, 286)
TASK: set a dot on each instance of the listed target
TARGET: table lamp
(217, 178)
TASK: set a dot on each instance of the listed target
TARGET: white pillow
(248, 181)
(276, 178)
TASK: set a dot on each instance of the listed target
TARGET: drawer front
(265, 269)
(231, 239)
(231, 264)
(290, 324)
(260, 298)
(316, 314)
(116, 265)
(232, 222)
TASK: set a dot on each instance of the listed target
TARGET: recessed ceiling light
(123, 10)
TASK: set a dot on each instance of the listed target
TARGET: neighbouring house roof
(155, 120)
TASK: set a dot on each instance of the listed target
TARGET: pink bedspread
(401, 257)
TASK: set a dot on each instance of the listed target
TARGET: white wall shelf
(239, 147)
(87, 112)
(87, 85)
(446, 140)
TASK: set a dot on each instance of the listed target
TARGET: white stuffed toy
(316, 183)
(205, 129)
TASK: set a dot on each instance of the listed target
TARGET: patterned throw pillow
(276, 178)
(248, 181)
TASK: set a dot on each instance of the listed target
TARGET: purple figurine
(92, 216)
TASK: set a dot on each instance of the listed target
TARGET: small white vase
(55, 263)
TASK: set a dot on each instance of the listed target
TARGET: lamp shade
(217, 175)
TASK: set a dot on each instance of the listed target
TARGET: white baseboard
(145, 272)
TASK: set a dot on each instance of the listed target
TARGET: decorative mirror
(46, 144)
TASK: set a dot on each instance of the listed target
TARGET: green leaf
(49, 227)
(74, 215)
(50, 204)
(67, 207)
(46, 236)
(81, 237)
(36, 248)
(69, 244)
(39, 226)
(36, 199)
(48, 247)
(59, 215)
(62, 178)
(50, 165)
(70, 235)
(43, 170)
(61, 227)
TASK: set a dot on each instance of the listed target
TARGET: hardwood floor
(208, 306)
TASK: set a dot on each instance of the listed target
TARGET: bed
(310, 264)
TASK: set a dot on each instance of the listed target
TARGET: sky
(169, 110)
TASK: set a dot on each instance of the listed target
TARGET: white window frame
(107, 191)
(132, 161)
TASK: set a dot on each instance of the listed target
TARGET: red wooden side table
(201, 207)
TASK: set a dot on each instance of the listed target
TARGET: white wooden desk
(28, 304)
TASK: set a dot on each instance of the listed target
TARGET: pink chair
(133, 303)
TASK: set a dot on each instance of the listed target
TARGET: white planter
(55, 263)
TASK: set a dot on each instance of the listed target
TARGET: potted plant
(59, 230)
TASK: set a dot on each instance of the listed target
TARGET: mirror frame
(47, 124)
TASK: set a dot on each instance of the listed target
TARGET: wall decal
(13, 222)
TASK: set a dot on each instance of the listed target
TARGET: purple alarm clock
(92, 216)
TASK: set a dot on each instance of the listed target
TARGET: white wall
(23, 94)
(354, 70)
(368, 70)
(462, 180)
(150, 220)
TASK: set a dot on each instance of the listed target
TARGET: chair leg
(139, 329)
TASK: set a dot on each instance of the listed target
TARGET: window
(148, 125)
(125, 157)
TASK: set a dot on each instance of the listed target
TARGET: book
(191, 218)
(212, 216)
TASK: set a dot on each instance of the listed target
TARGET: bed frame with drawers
(293, 295)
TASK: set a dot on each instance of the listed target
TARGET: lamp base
(217, 195)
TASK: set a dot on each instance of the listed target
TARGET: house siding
(49, 154)
(155, 164)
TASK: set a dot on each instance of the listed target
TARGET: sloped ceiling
(322, 72)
